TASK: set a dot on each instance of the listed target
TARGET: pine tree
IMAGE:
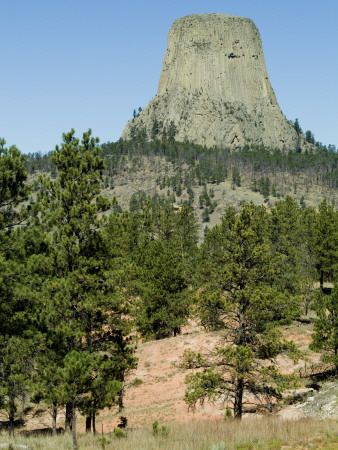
(164, 256)
(297, 127)
(186, 238)
(287, 238)
(325, 337)
(236, 177)
(82, 308)
(309, 137)
(172, 131)
(240, 267)
(15, 335)
(13, 187)
(164, 295)
(307, 256)
(326, 242)
(155, 129)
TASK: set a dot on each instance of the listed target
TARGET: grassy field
(256, 433)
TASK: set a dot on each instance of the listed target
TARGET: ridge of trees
(211, 164)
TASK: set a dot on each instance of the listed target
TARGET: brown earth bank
(155, 389)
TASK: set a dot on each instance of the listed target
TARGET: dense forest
(81, 278)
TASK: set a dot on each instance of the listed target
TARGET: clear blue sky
(88, 63)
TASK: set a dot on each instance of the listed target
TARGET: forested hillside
(83, 278)
(209, 180)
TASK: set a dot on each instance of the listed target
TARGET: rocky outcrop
(214, 88)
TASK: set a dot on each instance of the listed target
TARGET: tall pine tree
(82, 309)
(240, 267)
(15, 336)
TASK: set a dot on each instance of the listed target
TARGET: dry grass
(254, 433)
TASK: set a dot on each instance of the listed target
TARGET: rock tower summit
(215, 88)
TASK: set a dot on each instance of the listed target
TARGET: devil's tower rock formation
(214, 87)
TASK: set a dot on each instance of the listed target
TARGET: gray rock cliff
(214, 87)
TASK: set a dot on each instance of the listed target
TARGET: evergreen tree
(325, 337)
(206, 215)
(326, 242)
(254, 185)
(240, 267)
(15, 371)
(164, 300)
(186, 236)
(264, 186)
(236, 177)
(309, 137)
(307, 256)
(13, 187)
(297, 127)
(155, 129)
(191, 197)
(82, 307)
(165, 259)
(287, 238)
(172, 131)
(15, 303)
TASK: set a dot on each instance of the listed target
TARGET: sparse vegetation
(118, 433)
(136, 382)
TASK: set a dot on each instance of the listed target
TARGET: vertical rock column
(215, 88)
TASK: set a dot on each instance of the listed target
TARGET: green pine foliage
(13, 187)
(165, 260)
(81, 307)
(240, 269)
(236, 177)
(326, 242)
(325, 337)
(164, 294)
(15, 302)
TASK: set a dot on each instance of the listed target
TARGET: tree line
(318, 167)
(80, 277)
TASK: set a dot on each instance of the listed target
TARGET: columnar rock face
(214, 88)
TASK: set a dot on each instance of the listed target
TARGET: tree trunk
(54, 416)
(121, 395)
(11, 415)
(89, 423)
(177, 331)
(93, 422)
(238, 406)
(322, 280)
(68, 417)
(74, 426)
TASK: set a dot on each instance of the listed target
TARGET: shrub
(103, 441)
(228, 413)
(155, 428)
(118, 433)
(162, 431)
(136, 382)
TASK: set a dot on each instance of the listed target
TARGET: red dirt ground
(160, 394)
